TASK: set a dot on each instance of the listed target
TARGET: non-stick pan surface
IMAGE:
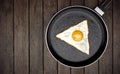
(70, 16)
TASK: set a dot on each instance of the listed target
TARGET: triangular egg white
(83, 45)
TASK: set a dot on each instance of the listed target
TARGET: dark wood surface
(22, 38)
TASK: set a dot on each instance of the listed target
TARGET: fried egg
(76, 36)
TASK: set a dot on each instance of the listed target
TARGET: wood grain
(6, 37)
(36, 37)
(61, 68)
(91, 4)
(50, 65)
(116, 37)
(77, 70)
(63, 4)
(77, 2)
(105, 63)
(92, 69)
(21, 38)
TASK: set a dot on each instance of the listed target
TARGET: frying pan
(69, 16)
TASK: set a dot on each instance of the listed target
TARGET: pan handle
(101, 8)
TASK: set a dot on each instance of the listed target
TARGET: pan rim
(85, 7)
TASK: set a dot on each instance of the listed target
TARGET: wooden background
(22, 45)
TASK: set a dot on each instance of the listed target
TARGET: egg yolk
(77, 35)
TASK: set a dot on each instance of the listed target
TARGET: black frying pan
(69, 16)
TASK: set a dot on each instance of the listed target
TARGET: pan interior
(64, 20)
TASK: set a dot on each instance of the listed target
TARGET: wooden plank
(61, 68)
(91, 4)
(77, 70)
(63, 3)
(105, 63)
(6, 37)
(77, 2)
(92, 69)
(36, 37)
(116, 37)
(50, 8)
(21, 40)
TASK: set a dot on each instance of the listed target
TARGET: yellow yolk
(77, 35)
